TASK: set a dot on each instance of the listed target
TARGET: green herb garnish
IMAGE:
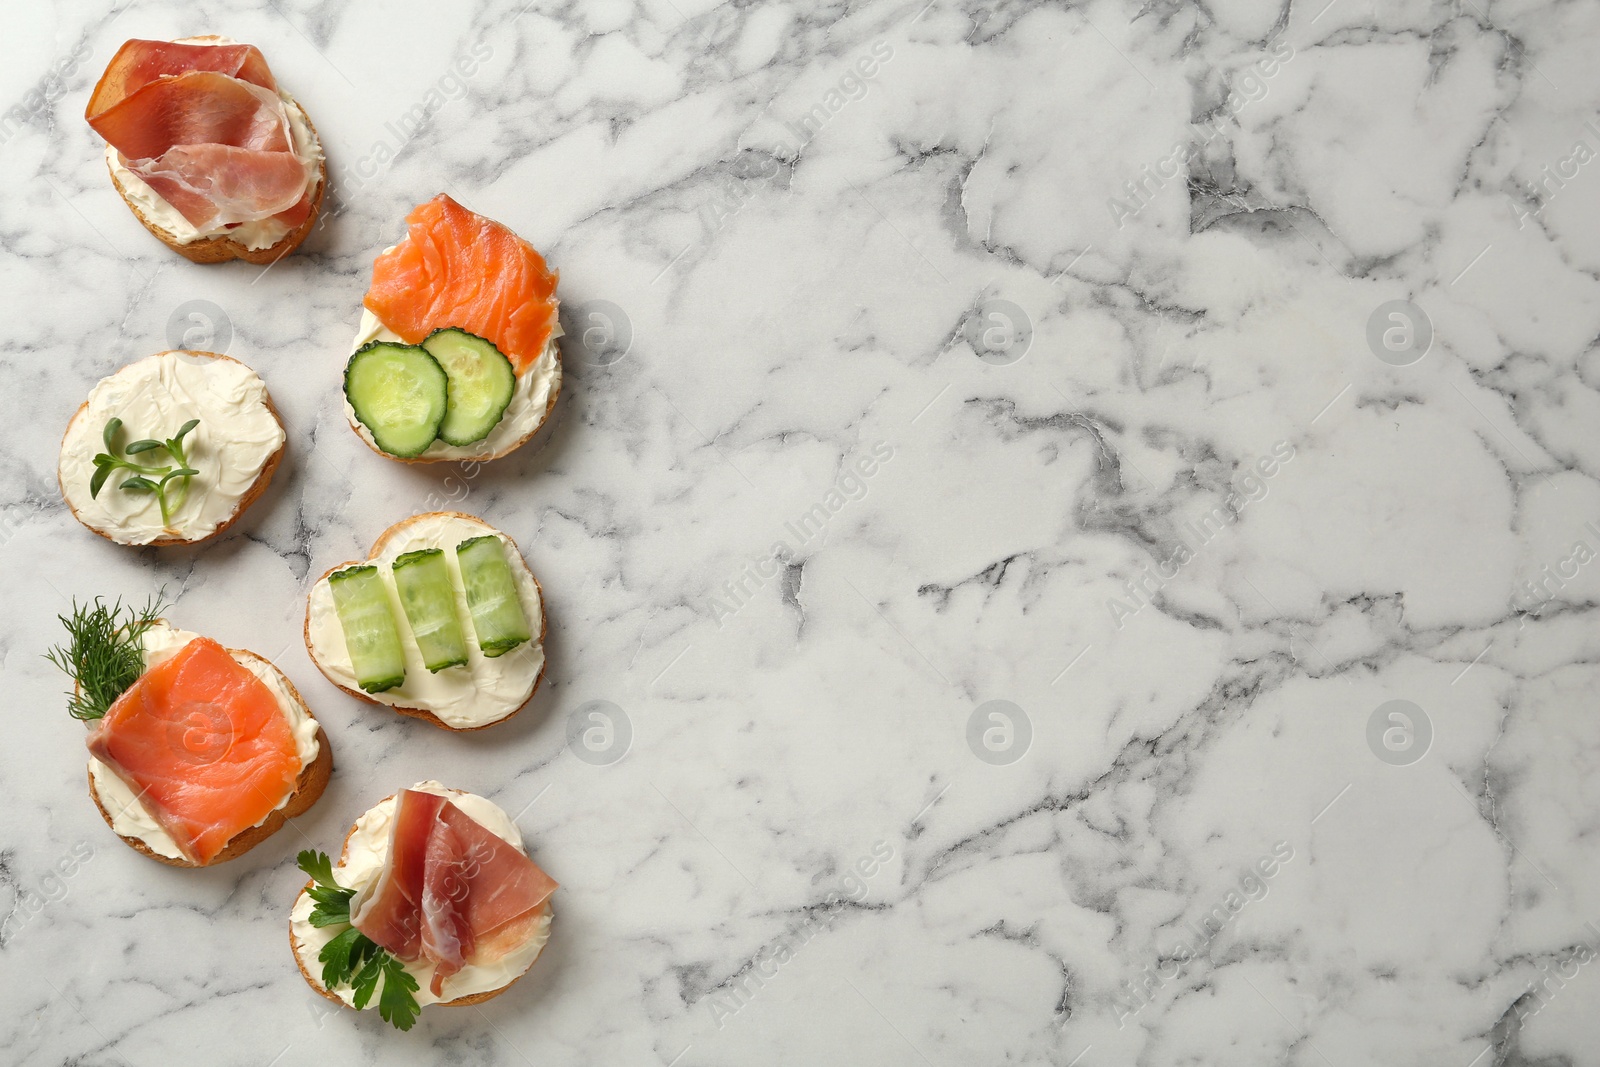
(353, 957)
(104, 653)
(146, 479)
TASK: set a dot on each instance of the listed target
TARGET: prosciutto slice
(212, 183)
(205, 128)
(451, 891)
(138, 63)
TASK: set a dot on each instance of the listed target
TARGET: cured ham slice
(138, 63)
(451, 891)
(204, 745)
(457, 268)
(204, 127)
(209, 183)
(197, 108)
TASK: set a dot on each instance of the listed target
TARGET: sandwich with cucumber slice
(444, 621)
(456, 357)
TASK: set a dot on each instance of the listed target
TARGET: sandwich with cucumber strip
(198, 753)
(456, 356)
(444, 621)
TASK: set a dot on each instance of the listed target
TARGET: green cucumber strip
(399, 393)
(481, 383)
(492, 595)
(362, 604)
(429, 599)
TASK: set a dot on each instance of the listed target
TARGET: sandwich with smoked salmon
(443, 621)
(197, 753)
(208, 152)
(433, 900)
(170, 450)
(456, 355)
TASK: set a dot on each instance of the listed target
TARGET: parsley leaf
(352, 957)
(333, 901)
(365, 983)
(397, 1005)
(335, 957)
(319, 867)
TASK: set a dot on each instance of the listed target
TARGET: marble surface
(1198, 380)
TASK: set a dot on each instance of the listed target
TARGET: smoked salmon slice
(204, 744)
(451, 892)
(457, 268)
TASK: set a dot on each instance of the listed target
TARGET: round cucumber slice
(481, 383)
(399, 393)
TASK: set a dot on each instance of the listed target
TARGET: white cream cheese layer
(477, 693)
(263, 233)
(365, 854)
(153, 397)
(524, 415)
(129, 817)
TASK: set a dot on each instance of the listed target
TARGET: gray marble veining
(1083, 518)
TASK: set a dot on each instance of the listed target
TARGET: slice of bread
(310, 970)
(416, 712)
(307, 788)
(258, 487)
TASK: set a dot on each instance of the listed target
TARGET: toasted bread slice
(423, 713)
(307, 789)
(250, 496)
(311, 973)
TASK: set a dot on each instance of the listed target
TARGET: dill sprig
(104, 652)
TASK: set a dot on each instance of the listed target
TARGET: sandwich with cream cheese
(170, 450)
(209, 154)
(456, 355)
(432, 900)
(198, 753)
(443, 621)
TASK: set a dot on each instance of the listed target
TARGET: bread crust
(257, 488)
(221, 249)
(549, 406)
(423, 713)
(322, 991)
(307, 789)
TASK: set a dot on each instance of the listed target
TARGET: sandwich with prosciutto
(207, 151)
(433, 900)
(456, 355)
(197, 753)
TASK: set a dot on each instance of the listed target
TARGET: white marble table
(1196, 379)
